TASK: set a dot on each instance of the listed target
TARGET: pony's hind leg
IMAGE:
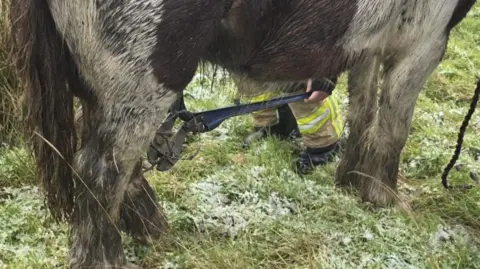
(141, 215)
(383, 142)
(131, 107)
(106, 167)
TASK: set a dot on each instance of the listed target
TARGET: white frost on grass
(449, 235)
(228, 207)
(24, 232)
(231, 211)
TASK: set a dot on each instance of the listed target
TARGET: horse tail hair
(45, 67)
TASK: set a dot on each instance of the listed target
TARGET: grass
(9, 96)
(236, 208)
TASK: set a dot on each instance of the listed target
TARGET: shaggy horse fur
(128, 59)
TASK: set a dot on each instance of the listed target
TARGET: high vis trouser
(319, 123)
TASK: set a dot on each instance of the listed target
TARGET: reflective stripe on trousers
(307, 123)
(328, 110)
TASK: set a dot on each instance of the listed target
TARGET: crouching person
(318, 123)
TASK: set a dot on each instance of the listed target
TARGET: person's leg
(321, 127)
(319, 124)
(278, 121)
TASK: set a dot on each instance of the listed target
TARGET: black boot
(312, 157)
(285, 129)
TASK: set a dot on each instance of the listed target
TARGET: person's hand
(316, 96)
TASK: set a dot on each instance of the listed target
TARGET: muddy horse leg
(362, 87)
(141, 215)
(107, 166)
(382, 144)
(123, 130)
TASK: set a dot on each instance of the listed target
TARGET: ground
(245, 208)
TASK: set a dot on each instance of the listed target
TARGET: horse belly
(296, 65)
(289, 40)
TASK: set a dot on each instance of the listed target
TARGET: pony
(128, 60)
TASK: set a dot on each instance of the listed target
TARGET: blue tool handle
(213, 118)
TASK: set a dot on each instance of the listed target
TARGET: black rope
(461, 134)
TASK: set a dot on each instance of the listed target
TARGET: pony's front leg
(362, 88)
(383, 142)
